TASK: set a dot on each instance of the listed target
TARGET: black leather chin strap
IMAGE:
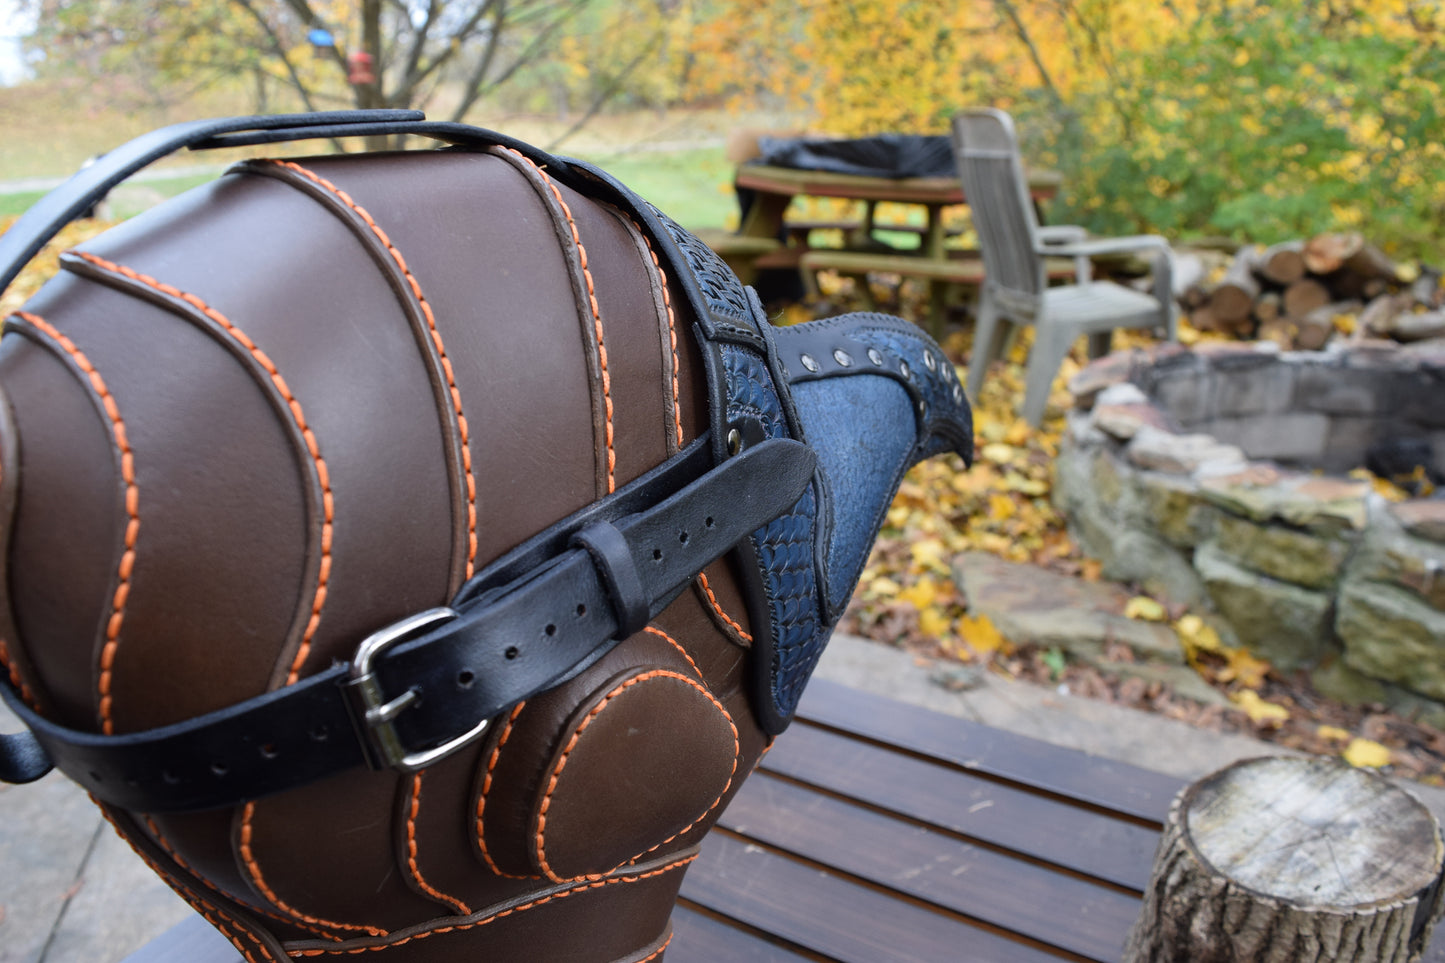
(429, 684)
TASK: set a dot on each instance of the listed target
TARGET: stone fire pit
(1219, 477)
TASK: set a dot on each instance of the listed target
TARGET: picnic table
(768, 240)
(880, 832)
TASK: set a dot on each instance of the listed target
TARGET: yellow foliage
(1144, 608)
(981, 635)
(1332, 732)
(1366, 754)
(1258, 710)
(1241, 667)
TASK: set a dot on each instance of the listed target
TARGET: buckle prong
(374, 713)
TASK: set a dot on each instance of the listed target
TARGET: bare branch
(606, 94)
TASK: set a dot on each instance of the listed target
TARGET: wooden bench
(878, 832)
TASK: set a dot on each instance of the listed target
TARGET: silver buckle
(374, 713)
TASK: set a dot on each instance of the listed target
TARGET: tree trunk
(1327, 253)
(1318, 326)
(1292, 860)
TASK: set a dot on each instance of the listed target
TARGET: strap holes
(319, 734)
(657, 554)
(270, 751)
(465, 678)
(707, 522)
(512, 651)
(581, 610)
(170, 778)
(550, 630)
(220, 768)
(682, 538)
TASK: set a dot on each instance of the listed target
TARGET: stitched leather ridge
(131, 502)
(453, 428)
(400, 937)
(413, 808)
(289, 415)
(594, 345)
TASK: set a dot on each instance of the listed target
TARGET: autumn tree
(329, 53)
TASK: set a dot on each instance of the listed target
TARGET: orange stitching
(671, 331)
(191, 897)
(577, 735)
(171, 852)
(487, 787)
(132, 510)
(596, 316)
(459, 927)
(681, 651)
(717, 607)
(660, 950)
(415, 807)
(313, 448)
(15, 679)
(436, 336)
(254, 869)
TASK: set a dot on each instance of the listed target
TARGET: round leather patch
(648, 758)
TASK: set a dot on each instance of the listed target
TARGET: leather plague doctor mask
(413, 552)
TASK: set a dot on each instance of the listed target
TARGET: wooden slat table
(879, 832)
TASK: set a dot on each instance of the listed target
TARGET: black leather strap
(500, 645)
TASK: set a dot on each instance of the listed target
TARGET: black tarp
(884, 155)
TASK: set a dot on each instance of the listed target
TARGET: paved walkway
(72, 892)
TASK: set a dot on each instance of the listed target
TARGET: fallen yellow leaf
(1001, 507)
(980, 634)
(998, 453)
(921, 594)
(1332, 732)
(1366, 753)
(1144, 608)
(933, 622)
(1258, 710)
(1241, 667)
(1197, 635)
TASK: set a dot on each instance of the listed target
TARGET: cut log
(1282, 264)
(1410, 326)
(1202, 319)
(1188, 274)
(1327, 253)
(1281, 331)
(1318, 326)
(1268, 308)
(1303, 860)
(1303, 296)
(1378, 318)
(1233, 299)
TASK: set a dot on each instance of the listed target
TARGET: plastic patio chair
(1015, 293)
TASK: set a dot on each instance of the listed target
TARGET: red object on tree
(358, 68)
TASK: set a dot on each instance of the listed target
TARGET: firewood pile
(1300, 294)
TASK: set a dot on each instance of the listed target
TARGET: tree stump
(1292, 860)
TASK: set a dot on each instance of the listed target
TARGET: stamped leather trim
(456, 436)
(400, 939)
(541, 831)
(132, 510)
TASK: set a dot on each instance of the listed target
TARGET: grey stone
(1123, 393)
(1389, 634)
(1124, 421)
(1349, 438)
(1336, 390)
(1156, 565)
(1262, 389)
(1187, 397)
(1336, 679)
(1319, 503)
(1181, 454)
(1418, 327)
(1280, 552)
(1100, 373)
(1389, 555)
(1287, 625)
(1287, 436)
(1029, 605)
(1173, 508)
(1183, 680)
(1421, 517)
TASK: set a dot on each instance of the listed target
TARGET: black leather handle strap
(502, 646)
(87, 186)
